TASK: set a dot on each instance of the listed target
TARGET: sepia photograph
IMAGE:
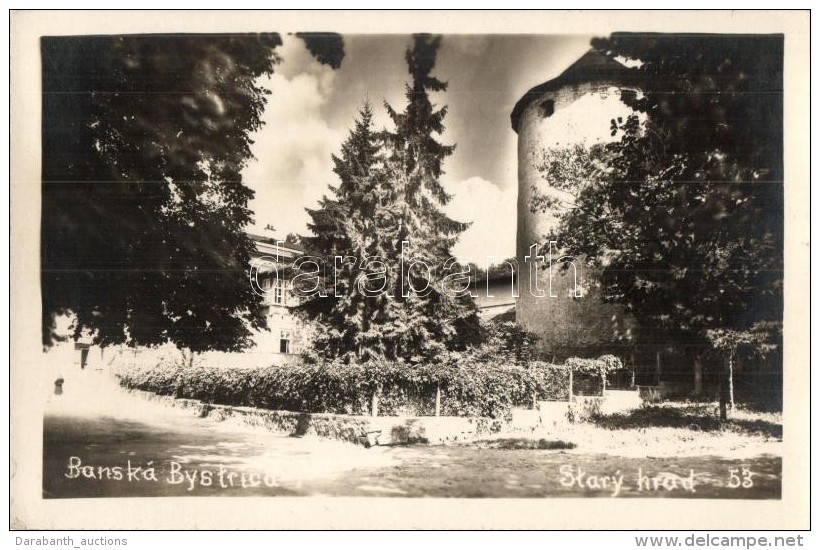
(484, 266)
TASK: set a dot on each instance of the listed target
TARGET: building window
(284, 342)
(279, 294)
(548, 108)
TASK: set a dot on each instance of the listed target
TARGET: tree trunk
(374, 402)
(727, 393)
(570, 387)
(698, 376)
(658, 368)
(438, 399)
(534, 391)
(732, 380)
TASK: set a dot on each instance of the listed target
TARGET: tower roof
(593, 66)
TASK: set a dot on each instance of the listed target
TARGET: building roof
(269, 243)
(593, 66)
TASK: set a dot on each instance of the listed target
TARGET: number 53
(743, 480)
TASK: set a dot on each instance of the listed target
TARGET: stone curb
(361, 430)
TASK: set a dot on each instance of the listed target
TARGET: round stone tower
(574, 108)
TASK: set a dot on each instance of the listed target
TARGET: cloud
(312, 108)
(492, 212)
(467, 44)
(293, 149)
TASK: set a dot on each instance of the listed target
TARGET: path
(95, 424)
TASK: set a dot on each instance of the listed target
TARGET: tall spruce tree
(375, 298)
(346, 234)
(438, 320)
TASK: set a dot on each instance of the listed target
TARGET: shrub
(469, 386)
(599, 367)
(590, 373)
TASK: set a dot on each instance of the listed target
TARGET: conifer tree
(384, 216)
(438, 320)
(346, 235)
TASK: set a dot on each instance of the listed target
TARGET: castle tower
(574, 108)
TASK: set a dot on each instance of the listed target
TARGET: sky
(312, 108)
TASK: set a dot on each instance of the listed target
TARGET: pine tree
(344, 227)
(439, 320)
(385, 214)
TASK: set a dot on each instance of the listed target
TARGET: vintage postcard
(304, 270)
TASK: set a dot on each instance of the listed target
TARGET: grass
(667, 429)
(699, 417)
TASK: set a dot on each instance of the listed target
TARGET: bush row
(467, 387)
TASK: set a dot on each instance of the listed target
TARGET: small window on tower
(548, 108)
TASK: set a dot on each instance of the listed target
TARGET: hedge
(468, 387)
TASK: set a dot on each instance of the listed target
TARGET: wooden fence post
(534, 390)
(374, 402)
(658, 367)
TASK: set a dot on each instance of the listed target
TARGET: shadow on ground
(518, 443)
(693, 417)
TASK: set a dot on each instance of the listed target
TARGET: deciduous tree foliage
(327, 47)
(684, 212)
(143, 210)
(761, 339)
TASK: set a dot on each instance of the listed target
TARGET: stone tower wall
(579, 113)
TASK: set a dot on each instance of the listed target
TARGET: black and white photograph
(313, 260)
